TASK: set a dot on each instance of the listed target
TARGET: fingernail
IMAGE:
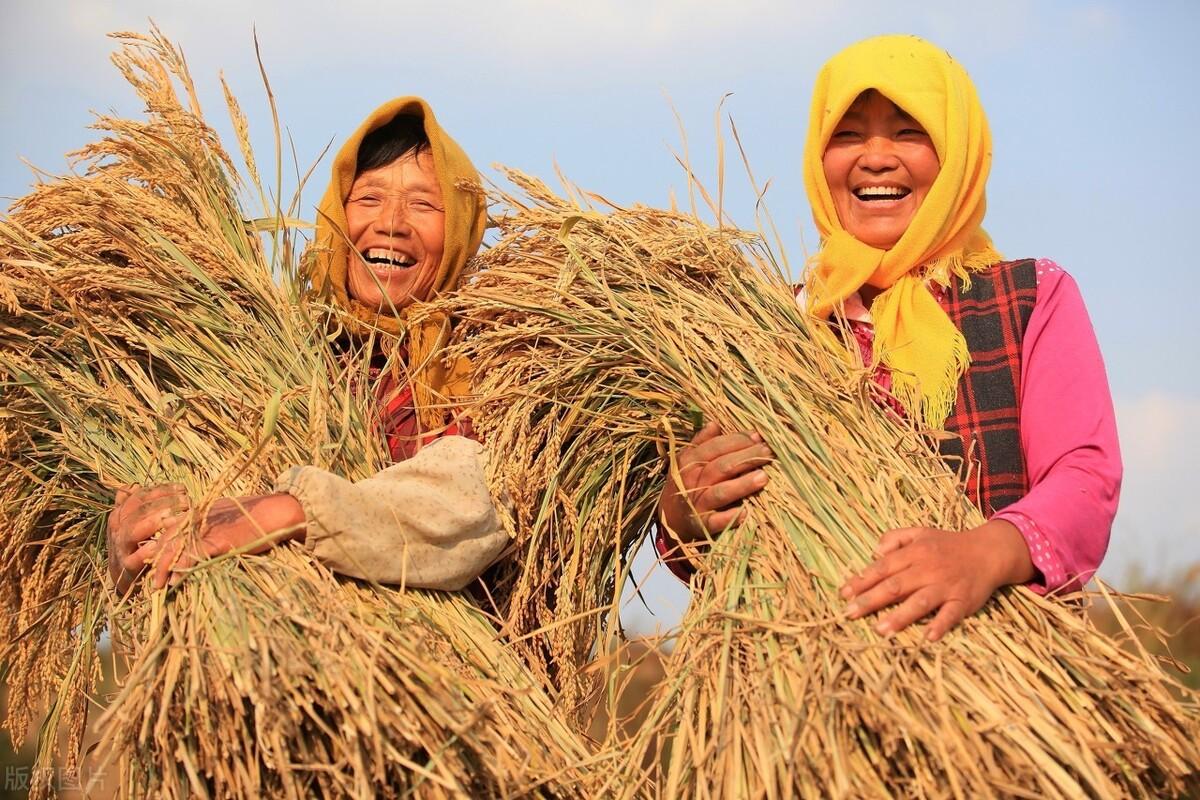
(883, 628)
(846, 592)
(760, 479)
(852, 609)
(756, 436)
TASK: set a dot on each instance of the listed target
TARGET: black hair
(403, 136)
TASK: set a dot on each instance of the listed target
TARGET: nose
(879, 154)
(393, 217)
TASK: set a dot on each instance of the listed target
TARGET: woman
(397, 226)
(1000, 353)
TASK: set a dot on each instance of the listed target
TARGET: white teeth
(388, 258)
(880, 191)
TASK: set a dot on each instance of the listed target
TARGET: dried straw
(147, 337)
(600, 337)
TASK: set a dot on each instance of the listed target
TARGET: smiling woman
(880, 164)
(395, 218)
(999, 354)
(396, 227)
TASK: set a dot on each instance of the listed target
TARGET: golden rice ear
(150, 338)
(588, 330)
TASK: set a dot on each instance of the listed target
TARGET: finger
(951, 613)
(168, 557)
(149, 548)
(736, 463)
(136, 561)
(187, 559)
(156, 521)
(728, 493)
(893, 589)
(719, 521)
(894, 540)
(916, 606)
(878, 570)
(205, 549)
(710, 430)
(211, 548)
(712, 449)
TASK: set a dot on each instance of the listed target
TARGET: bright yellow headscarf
(915, 339)
(435, 383)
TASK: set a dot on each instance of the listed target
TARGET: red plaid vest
(400, 424)
(992, 316)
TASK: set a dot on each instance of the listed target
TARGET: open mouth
(874, 194)
(387, 259)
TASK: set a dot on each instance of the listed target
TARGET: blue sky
(1093, 105)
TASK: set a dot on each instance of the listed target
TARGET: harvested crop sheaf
(600, 337)
(147, 337)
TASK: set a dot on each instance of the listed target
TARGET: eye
(845, 135)
(422, 205)
(366, 199)
(910, 133)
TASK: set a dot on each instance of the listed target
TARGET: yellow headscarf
(435, 383)
(916, 340)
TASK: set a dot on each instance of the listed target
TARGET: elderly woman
(1000, 353)
(397, 226)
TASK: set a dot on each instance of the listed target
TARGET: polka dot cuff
(1041, 552)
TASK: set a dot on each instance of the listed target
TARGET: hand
(718, 471)
(139, 514)
(252, 524)
(946, 573)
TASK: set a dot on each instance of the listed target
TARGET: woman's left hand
(949, 574)
(252, 524)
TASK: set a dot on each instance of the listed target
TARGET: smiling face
(879, 164)
(396, 223)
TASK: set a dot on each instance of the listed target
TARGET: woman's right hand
(141, 516)
(718, 471)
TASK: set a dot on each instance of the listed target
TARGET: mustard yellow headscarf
(435, 383)
(914, 337)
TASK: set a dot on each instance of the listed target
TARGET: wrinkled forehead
(411, 171)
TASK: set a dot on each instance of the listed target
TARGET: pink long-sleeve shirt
(1068, 435)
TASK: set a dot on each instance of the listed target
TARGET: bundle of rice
(598, 336)
(146, 338)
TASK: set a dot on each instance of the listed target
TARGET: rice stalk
(148, 337)
(601, 339)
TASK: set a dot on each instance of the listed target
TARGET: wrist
(288, 517)
(1007, 551)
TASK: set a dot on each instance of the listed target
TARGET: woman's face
(879, 165)
(397, 227)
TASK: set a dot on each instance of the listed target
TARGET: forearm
(280, 516)
(1011, 562)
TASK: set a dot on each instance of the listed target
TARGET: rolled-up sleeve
(427, 522)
